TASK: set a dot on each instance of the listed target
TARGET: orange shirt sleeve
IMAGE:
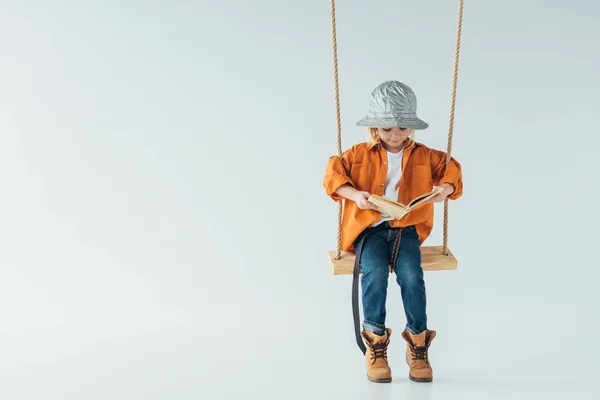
(336, 175)
(447, 174)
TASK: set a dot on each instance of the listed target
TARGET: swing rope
(339, 124)
(452, 107)
(339, 121)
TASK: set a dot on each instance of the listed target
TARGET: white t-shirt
(394, 172)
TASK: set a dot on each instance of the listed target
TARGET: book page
(425, 197)
(388, 207)
(379, 200)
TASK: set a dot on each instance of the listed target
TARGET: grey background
(164, 231)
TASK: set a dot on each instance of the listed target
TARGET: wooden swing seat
(432, 259)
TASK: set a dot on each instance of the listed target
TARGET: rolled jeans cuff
(374, 327)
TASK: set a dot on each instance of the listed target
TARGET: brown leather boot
(417, 356)
(378, 369)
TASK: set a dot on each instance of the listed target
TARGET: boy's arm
(348, 191)
(442, 174)
(336, 181)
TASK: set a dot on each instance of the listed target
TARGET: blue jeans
(375, 259)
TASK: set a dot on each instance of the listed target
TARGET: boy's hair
(373, 136)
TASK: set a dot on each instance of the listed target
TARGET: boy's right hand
(361, 199)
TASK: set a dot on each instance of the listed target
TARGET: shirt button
(382, 185)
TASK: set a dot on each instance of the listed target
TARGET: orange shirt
(366, 166)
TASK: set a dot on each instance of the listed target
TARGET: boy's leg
(409, 275)
(374, 261)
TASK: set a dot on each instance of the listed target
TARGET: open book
(398, 210)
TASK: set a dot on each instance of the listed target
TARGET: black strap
(355, 310)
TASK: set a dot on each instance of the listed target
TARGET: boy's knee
(409, 273)
(376, 270)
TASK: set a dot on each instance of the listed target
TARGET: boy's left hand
(448, 189)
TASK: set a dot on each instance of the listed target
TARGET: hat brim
(414, 123)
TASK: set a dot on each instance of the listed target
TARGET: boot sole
(381, 380)
(412, 378)
(420, 380)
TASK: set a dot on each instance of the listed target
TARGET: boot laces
(379, 350)
(418, 352)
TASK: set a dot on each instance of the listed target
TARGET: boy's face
(393, 137)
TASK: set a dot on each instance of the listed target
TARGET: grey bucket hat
(393, 104)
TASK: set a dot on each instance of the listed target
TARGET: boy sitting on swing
(393, 165)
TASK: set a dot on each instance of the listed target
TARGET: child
(393, 165)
